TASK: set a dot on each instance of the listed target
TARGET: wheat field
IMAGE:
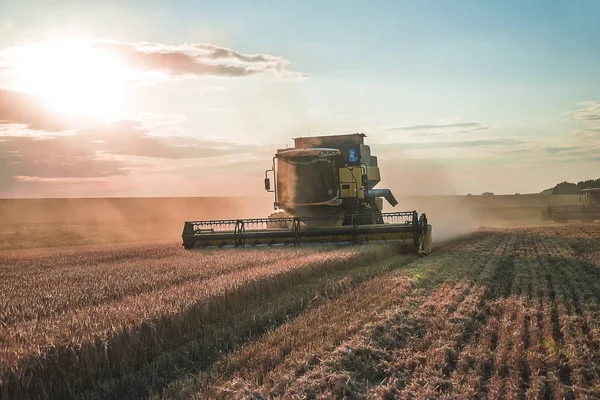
(504, 312)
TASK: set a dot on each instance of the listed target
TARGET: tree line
(573, 188)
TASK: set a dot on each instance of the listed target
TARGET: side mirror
(267, 184)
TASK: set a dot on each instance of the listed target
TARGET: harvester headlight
(327, 152)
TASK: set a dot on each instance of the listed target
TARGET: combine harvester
(325, 190)
(588, 211)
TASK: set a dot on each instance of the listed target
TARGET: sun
(71, 76)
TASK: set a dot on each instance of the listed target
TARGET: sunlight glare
(71, 76)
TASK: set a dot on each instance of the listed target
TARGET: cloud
(20, 113)
(39, 179)
(468, 126)
(439, 129)
(591, 111)
(55, 157)
(197, 59)
(464, 144)
(22, 108)
(101, 152)
(215, 52)
(588, 159)
(540, 154)
(588, 119)
(90, 151)
(133, 139)
(555, 150)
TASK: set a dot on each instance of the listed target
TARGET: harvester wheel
(427, 242)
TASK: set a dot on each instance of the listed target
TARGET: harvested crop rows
(500, 313)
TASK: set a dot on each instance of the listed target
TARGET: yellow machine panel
(373, 176)
(351, 182)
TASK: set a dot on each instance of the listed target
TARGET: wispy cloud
(538, 154)
(59, 157)
(92, 150)
(458, 126)
(131, 138)
(556, 150)
(39, 179)
(101, 152)
(22, 108)
(590, 111)
(197, 59)
(423, 130)
(458, 144)
(588, 118)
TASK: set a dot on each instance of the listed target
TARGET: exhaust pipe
(386, 194)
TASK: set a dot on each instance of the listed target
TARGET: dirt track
(500, 313)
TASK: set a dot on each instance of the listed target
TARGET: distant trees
(565, 188)
(589, 184)
(487, 194)
(574, 188)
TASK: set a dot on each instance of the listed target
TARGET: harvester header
(324, 191)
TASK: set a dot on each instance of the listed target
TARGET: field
(29, 223)
(494, 312)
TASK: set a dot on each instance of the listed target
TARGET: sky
(193, 98)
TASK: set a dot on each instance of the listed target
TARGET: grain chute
(324, 189)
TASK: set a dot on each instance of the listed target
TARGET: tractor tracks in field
(453, 317)
(543, 304)
(477, 349)
(555, 372)
(433, 311)
(538, 341)
(574, 301)
(510, 315)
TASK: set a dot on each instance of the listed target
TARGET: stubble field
(496, 313)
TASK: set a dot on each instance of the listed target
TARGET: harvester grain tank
(587, 211)
(324, 192)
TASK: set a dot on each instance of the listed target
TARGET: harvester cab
(329, 176)
(324, 191)
(590, 197)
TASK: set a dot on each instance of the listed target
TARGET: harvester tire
(427, 242)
